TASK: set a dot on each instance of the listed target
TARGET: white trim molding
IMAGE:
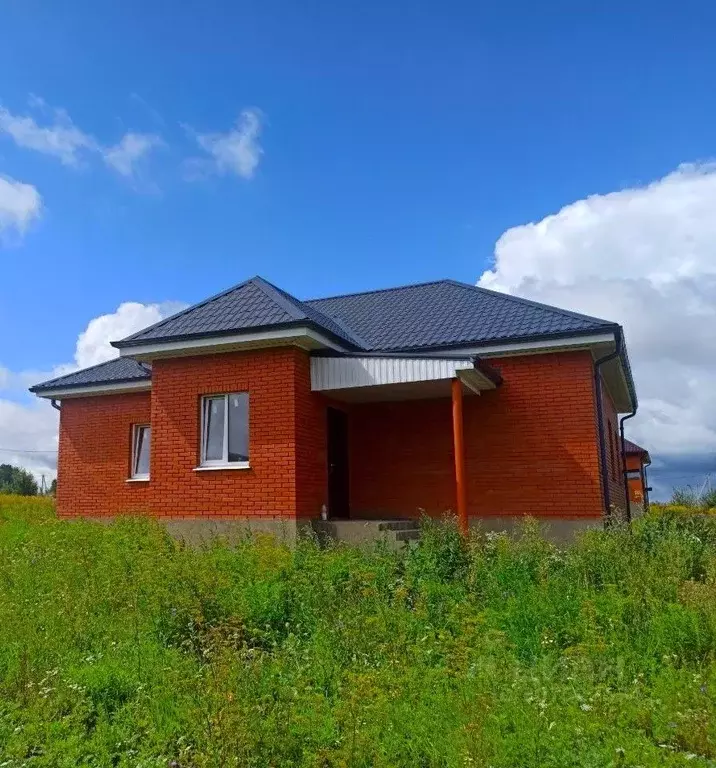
(89, 390)
(215, 467)
(533, 347)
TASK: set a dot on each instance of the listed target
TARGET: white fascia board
(533, 347)
(216, 343)
(61, 393)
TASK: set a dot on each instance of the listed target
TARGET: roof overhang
(381, 377)
(91, 390)
(598, 344)
(301, 336)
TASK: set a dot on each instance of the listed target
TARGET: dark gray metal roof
(416, 318)
(117, 371)
(439, 314)
(251, 305)
(634, 449)
(447, 313)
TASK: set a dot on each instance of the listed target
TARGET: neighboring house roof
(632, 449)
(121, 370)
(415, 319)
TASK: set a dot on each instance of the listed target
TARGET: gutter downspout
(600, 421)
(54, 404)
(624, 462)
(645, 484)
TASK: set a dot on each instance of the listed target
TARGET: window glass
(142, 445)
(214, 415)
(238, 427)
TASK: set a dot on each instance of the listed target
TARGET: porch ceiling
(375, 379)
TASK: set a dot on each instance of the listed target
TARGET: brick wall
(617, 496)
(636, 484)
(268, 488)
(94, 459)
(311, 458)
(531, 446)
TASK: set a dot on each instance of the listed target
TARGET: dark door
(337, 463)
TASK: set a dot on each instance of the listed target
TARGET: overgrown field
(120, 648)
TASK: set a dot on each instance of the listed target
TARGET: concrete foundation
(558, 530)
(198, 532)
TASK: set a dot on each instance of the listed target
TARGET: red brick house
(636, 460)
(253, 406)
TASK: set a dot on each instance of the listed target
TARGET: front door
(338, 505)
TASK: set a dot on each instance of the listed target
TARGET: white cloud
(20, 204)
(129, 152)
(93, 344)
(236, 151)
(645, 257)
(28, 436)
(62, 139)
(28, 426)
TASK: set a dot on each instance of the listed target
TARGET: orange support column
(459, 446)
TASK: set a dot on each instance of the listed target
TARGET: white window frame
(224, 462)
(136, 431)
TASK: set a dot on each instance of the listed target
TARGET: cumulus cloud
(93, 344)
(125, 156)
(62, 139)
(20, 204)
(28, 436)
(237, 151)
(646, 257)
(28, 426)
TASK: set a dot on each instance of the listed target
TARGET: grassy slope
(117, 647)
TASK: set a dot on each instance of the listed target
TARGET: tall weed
(120, 647)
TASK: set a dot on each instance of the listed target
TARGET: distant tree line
(20, 481)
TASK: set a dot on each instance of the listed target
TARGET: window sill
(137, 480)
(233, 465)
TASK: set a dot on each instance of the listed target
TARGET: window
(225, 430)
(141, 444)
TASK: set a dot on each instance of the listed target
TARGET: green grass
(120, 648)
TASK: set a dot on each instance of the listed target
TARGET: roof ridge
(376, 290)
(280, 296)
(186, 310)
(283, 297)
(529, 302)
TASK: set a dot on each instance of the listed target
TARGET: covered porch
(395, 439)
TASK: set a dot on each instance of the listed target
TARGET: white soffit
(334, 373)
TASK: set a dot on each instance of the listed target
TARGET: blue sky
(398, 143)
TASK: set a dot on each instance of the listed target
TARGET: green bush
(120, 647)
(691, 499)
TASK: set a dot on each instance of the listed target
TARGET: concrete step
(396, 533)
(399, 525)
(412, 535)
